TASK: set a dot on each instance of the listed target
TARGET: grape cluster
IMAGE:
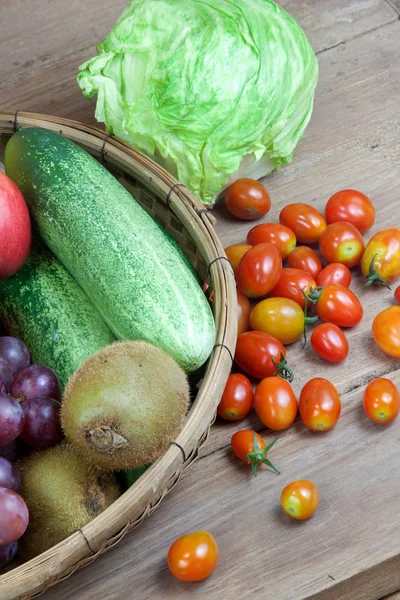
(29, 418)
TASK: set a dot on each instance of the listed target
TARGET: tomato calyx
(258, 456)
(314, 295)
(283, 369)
(373, 277)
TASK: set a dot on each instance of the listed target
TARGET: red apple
(15, 228)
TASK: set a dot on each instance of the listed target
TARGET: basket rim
(82, 547)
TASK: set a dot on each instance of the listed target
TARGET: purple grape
(14, 516)
(42, 426)
(9, 476)
(15, 353)
(11, 419)
(10, 452)
(7, 553)
(5, 374)
(35, 381)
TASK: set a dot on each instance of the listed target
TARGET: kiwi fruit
(63, 494)
(124, 405)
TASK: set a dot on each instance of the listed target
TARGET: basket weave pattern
(191, 225)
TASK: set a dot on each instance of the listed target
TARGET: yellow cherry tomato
(280, 317)
(380, 262)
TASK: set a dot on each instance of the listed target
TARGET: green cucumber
(43, 306)
(131, 270)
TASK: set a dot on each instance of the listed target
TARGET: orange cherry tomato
(381, 401)
(397, 294)
(335, 273)
(304, 220)
(247, 199)
(261, 355)
(330, 343)
(386, 330)
(299, 499)
(280, 317)
(381, 260)
(194, 556)
(319, 404)
(342, 242)
(275, 403)
(237, 399)
(306, 259)
(292, 283)
(243, 309)
(353, 207)
(250, 448)
(338, 305)
(276, 234)
(235, 254)
(259, 270)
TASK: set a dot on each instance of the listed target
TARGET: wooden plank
(395, 4)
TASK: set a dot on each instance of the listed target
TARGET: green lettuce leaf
(205, 85)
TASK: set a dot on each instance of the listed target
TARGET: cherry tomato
(244, 309)
(299, 499)
(235, 254)
(381, 401)
(397, 294)
(275, 403)
(276, 234)
(256, 353)
(342, 242)
(386, 330)
(237, 399)
(193, 557)
(330, 343)
(305, 259)
(259, 270)
(335, 273)
(319, 405)
(305, 220)
(280, 317)
(381, 260)
(338, 305)
(353, 207)
(247, 199)
(250, 448)
(292, 283)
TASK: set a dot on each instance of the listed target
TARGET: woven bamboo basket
(191, 224)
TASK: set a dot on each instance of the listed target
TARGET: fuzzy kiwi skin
(63, 494)
(124, 405)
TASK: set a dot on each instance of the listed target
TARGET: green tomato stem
(373, 277)
(283, 369)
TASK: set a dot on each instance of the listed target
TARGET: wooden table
(350, 550)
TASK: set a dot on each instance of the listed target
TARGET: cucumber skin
(44, 307)
(130, 270)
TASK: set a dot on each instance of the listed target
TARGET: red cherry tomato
(397, 294)
(342, 242)
(237, 399)
(333, 274)
(292, 283)
(306, 259)
(247, 199)
(386, 331)
(259, 270)
(319, 405)
(275, 403)
(244, 309)
(330, 343)
(194, 556)
(381, 401)
(235, 254)
(305, 220)
(276, 234)
(256, 353)
(381, 260)
(299, 499)
(250, 448)
(353, 207)
(338, 305)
